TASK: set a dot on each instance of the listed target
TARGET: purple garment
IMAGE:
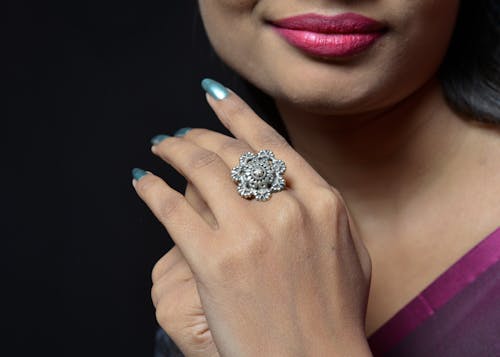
(458, 314)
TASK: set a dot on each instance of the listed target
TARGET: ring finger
(228, 148)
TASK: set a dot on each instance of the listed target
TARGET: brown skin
(412, 173)
(287, 277)
(377, 128)
(174, 284)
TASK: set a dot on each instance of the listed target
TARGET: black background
(89, 83)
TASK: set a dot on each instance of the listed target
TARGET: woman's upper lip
(348, 22)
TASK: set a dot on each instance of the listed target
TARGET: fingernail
(182, 131)
(137, 173)
(215, 89)
(158, 138)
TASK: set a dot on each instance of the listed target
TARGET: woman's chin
(331, 102)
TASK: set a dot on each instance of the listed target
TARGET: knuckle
(163, 264)
(233, 263)
(235, 110)
(229, 268)
(166, 261)
(255, 247)
(327, 201)
(271, 138)
(168, 206)
(157, 271)
(155, 293)
(291, 210)
(166, 312)
(174, 303)
(234, 145)
(330, 207)
(203, 159)
(228, 263)
(201, 337)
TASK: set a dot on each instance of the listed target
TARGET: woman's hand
(282, 277)
(175, 297)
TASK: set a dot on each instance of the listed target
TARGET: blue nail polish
(182, 131)
(158, 138)
(215, 89)
(137, 173)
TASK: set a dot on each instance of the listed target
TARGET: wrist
(345, 345)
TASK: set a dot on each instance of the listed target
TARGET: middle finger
(205, 169)
(228, 148)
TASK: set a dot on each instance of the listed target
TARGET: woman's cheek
(424, 26)
(422, 31)
(231, 30)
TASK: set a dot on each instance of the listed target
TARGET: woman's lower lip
(328, 44)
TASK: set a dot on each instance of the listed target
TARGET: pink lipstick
(330, 36)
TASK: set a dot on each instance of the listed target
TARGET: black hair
(469, 72)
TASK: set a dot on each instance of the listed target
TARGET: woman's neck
(385, 162)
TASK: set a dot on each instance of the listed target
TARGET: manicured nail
(137, 173)
(182, 131)
(158, 138)
(215, 89)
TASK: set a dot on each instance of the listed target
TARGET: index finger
(246, 125)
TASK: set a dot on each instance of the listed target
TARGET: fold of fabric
(458, 314)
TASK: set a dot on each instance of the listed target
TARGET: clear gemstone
(259, 175)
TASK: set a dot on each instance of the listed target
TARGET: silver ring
(259, 175)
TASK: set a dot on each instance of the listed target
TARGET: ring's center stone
(258, 173)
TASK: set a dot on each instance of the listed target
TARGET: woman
(386, 239)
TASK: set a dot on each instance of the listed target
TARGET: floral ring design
(259, 175)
